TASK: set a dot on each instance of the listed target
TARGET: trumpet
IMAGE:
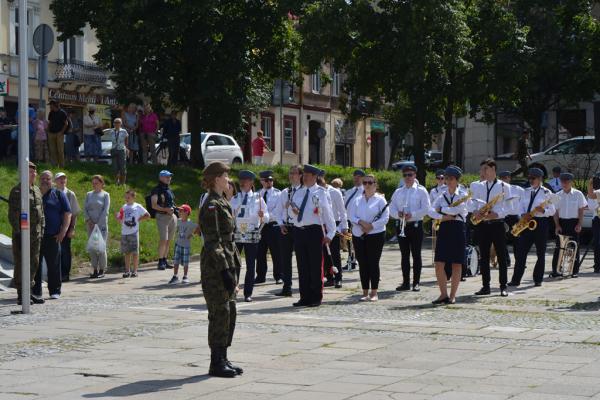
(566, 255)
(435, 225)
(486, 209)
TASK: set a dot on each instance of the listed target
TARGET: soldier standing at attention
(36, 230)
(219, 263)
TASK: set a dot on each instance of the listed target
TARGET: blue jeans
(92, 146)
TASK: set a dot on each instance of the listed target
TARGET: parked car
(576, 155)
(433, 161)
(106, 142)
(215, 147)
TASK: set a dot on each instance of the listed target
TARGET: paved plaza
(143, 339)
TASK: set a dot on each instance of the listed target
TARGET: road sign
(43, 39)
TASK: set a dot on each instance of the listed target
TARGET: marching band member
(532, 200)
(336, 201)
(451, 243)
(491, 228)
(410, 204)
(594, 204)
(568, 218)
(250, 212)
(369, 216)
(349, 197)
(513, 210)
(440, 186)
(269, 239)
(286, 219)
(554, 183)
(313, 219)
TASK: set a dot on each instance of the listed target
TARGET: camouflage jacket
(36, 210)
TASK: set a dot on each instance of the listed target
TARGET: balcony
(80, 72)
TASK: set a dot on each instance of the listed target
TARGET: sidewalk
(143, 339)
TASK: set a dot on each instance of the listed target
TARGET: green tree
(216, 58)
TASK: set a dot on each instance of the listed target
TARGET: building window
(336, 83)
(289, 134)
(343, 154)
(315, 82)
(267, 125)
(32, 22)
(71, 50)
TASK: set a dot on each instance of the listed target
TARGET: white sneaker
(374, 298)
(364, 298)
(55, 296)
(185, 280)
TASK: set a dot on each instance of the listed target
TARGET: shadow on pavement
(149, 386)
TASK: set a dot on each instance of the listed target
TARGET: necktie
(351, 196)
(303, 205)
(243, 210)
(533, 194)
(265, 196)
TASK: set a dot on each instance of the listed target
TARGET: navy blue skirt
(450, 243)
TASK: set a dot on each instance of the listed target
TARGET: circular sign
(321, 133)
(43, 39)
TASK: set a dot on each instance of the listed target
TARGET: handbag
(98, 131)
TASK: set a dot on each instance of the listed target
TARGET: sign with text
(67, 96)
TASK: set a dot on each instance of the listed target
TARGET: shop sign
(345, 132)
(377, 125)
(68, 96)
(3, 85)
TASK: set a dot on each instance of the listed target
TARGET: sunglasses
(368, 182)
(408, 175)
(267, 180)
(439, 178)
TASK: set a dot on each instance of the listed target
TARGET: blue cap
(567, 176)
(245, 174)
(311, 169)
(503, 174)
(535, 172)
(409, 167)
(454, 171)
(557, 169)
(359, 172)
(268, 174)
(165, 172)
(322, 172)
(439, 172)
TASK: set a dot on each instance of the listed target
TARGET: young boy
(185, 231)
(130, 216)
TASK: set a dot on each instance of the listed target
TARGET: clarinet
(379, 214)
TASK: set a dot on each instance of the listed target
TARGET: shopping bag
(96, 242)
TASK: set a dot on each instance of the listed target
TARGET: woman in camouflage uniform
(219, 264)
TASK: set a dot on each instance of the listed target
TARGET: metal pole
(24, 154)
(281, 123)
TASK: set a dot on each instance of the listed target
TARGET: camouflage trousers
(34, 255)
(221, 323)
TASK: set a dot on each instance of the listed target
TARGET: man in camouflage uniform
(220, 265)
(36, 229)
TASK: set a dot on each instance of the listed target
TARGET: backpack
(151, 210)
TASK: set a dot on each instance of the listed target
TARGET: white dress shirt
(413, 200)
(484, 191)
(272, 200)
(317, 210)
(283, 211)
(436, 192)
(513, 205)
(593, 204)
(441, 205)
(569, 203)
(535, 197)
(368, 210)
(554, 184)
(351, 195)
(338, 208)
(248, 213)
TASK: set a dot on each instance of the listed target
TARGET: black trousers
(368, 250)
(269, 240)
(511, 220)
(250, 256)
(308, 244)
(49, 251)
(411, 243)
(596, 242)
(334, 260)
(528, 238)
(286, 245)
(65, 258)
(173, 151)
(489, 233)
(568, 229)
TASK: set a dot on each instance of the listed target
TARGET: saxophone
(437, 222)
(527, 221)
(486, 209)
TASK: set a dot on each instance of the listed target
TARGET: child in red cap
(185, 231)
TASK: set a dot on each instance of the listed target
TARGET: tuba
(566, 255)
(486, 209)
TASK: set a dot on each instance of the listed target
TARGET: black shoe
(338, 284)
(315, 304)
(416, 288)
(65, 279)
(503, 292)
(538, 284)
(284, 293)
(329, 283)
(94, 275)
(218, 366)
(161, 266)
(403, 287)
(20, 302)
(101, 274)
(300, 304)
(168, 266)
(261, 280)
(238, 370)
(483, 291)
(37, 300)
(555, 275)
(511, 283)
(463, 279)
(441, 301)
(575, 276)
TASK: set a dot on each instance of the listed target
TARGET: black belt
(307, 227)
(272, 223)
(568, 219)
(492, 221)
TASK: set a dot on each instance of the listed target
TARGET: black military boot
(218, 367)
(238, 370)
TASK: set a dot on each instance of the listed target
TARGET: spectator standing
(130, 216)
(523, 153)
(172, 130)
(92, 131)
(6, 127)
(57, 213)
(57, 126)
(130, 123)
(31, 116)
(95, 212)
(71, 137)
(258, 148)
(40, 126)
(118, 151)
(181, 254)
(60, 181)
(163, 202)
(149, 125)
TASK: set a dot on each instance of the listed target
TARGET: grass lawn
(185, 184)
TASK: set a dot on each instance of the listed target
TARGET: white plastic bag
(96, 242)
